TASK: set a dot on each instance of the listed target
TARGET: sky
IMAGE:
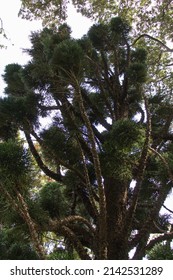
(18, 31)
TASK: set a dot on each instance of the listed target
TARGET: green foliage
(137, 72)
(12, 77)
(161, 252)
(13, 248)
(11, 219)
(121, 146)
(104, 36)
(75, 193)
(19, 159)
(43, 9)
(67, 58)
(139, 55)
(47, 40)
(22, 110)
(56, 136)
(120, 29)
(148, 16)
(59, 145)
(98, 35)
(62, 255)
(8, 131)
(37, 212)
(52, 199)
(125, 134)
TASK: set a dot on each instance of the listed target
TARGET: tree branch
(22, 209)
(39, 161)
(166, 236)
(61, 227)
(88, 185)
(154, 39)
(164, 162)
(167, 209)
(141, 168)
(97, 167)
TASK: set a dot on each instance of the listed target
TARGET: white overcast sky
(18, 31)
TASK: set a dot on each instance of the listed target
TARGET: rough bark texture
(116, 196)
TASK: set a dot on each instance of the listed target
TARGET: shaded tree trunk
(116, 196)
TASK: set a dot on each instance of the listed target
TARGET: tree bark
(116, 196)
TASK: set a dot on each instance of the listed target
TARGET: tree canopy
(154, 17)
(94, 167)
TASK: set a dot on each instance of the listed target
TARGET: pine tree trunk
(116, 195)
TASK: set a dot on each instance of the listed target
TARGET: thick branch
(168, 209)
(164, 162)
(141, 169)
(39, 161)
(48, 108)
(154, 39)
(153, 242)
(97, 81)
(61, 227)
(69, 112)
(76, 218)
(158, 204)
(99, 115)
(88, 185)
(32, 227)
(97, 167)
(22, 209)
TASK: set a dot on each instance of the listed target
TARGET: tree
(108, 147)
(154, 17)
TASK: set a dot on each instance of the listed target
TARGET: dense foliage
(161, 252)
(105, 150)
(154, 17)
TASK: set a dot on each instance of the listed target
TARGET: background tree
(154, 17)
(109, 127)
